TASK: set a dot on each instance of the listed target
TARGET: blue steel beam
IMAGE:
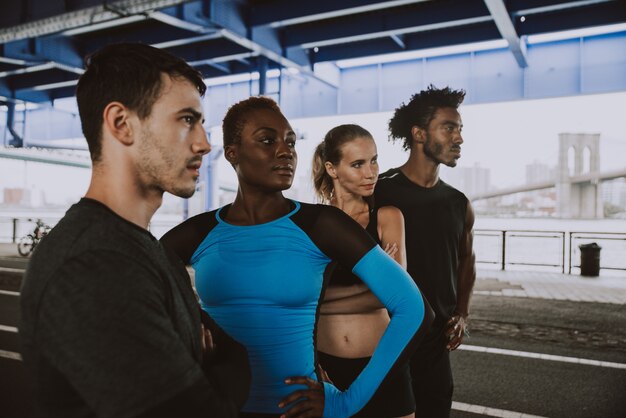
(48, 48)
(529, 7)
(30, 80)
(226, 17)
(147, 31)
(283, 13)
(46, 94)
(195, 14)
(17, 141)
(415, 41)
(262, 40)
(207, 50)
(400, 20)
(598, 15)
(5, 91)
(98, 13)
(33, 96)
(507, 29)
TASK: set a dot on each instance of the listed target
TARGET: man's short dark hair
(129, 73)
(420, 111)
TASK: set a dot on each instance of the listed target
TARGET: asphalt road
(544, 387)
(510, 383)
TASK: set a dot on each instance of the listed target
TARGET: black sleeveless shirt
(434, 222)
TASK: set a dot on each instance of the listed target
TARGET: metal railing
(501, 247)
(608, 240)
(546, 248)
(12, 229)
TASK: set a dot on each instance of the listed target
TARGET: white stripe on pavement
(10, 355)
(7, 328)
(490, 412)
(541, 356)
(9, 293)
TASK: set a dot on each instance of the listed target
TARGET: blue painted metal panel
(496, 77)
(240, 91)
(453, 71)
(216, 103)
(193, 12)
(49, 124)
(292, 98)
(553, 69)
(318, 99)
(53, 48)
(227, 14)
(271, 88)
(399, 81)
(359, 90)
(604, 63)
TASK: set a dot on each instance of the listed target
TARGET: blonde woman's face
(357, 171)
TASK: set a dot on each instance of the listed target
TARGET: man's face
(172, 140)
(442, 138)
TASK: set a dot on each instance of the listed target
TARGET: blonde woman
(352, 320)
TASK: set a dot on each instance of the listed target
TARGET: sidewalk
(546, 285)
(530, 284)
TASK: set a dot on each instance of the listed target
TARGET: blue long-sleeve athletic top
(263, 283)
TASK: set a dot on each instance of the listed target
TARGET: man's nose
(201, 143)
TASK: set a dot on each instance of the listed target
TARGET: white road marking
(7, 328)
(541, 356)
(490, 412)
(9, 293)
(10, 355)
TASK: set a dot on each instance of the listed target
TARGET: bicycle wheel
(25, 246)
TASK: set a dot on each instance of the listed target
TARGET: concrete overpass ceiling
(43, 42)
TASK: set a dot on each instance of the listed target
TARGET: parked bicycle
(28, 243)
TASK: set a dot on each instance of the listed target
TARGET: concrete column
(579, 199)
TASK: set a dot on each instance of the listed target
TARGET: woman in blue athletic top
(261, 264)
(352, 319)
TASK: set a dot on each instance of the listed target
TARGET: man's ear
(230, 152)
(116, 120)
(330, 169)
(418, 134)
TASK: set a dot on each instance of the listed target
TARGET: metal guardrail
(537, 255)
(602, 237)
(12, 229)
(504, 252)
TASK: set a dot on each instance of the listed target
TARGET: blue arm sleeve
(397, 291)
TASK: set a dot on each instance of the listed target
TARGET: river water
(538, 250)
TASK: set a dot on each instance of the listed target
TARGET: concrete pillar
(580, 199)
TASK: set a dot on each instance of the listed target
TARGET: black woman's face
(266, 156)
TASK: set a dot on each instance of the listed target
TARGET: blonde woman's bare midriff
(351, 335)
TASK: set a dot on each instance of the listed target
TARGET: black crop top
(341, 276)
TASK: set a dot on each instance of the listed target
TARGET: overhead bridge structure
(578, 178)
(43, 42)
(587, 178)
(306, 54)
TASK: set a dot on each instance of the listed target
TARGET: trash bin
(590, 259)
